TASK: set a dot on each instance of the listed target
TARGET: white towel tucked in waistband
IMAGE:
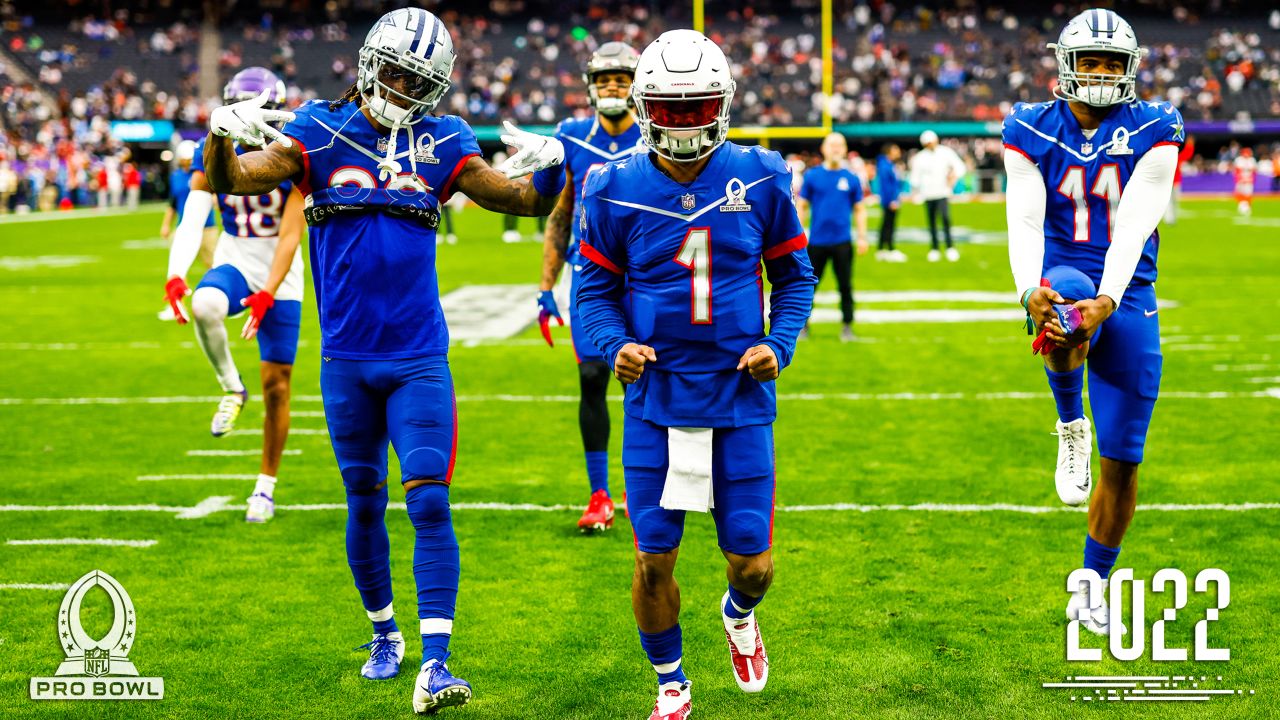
(688, 485)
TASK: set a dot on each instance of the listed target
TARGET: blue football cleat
(437, 689)
(385, 653)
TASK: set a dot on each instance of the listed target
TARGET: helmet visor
(683, 112)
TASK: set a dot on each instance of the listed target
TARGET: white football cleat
(511, 236)
(897, 256)
(1098, 621)
(934, 256)
(674, 702)
(746, 650)
(166, 315)
(261, 508)
(1074, 476)
(882, 255)
(952, 254)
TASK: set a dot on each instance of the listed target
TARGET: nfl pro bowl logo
(97, 669)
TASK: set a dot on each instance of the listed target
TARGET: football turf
(879, 609)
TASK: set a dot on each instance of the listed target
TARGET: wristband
(1026, 297)
(549, 181)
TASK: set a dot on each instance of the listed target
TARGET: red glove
(258, 303)
(174, 291)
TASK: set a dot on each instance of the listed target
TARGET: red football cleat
(746, 651)
(674, 702)
(598, 516)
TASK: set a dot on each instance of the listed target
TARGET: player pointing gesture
(375, 166)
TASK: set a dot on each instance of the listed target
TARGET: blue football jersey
(832, 194)
(179, 189)
(255, 216)
(374, 272)
(678, 267)
(1084, 176)
(587, 146)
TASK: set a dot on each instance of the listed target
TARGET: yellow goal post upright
(764, 133)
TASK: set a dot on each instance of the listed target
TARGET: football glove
(258, 303)
(547, 309)
(533, 152)
(174, 291)
(247, 121)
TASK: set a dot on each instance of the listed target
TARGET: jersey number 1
(695, 254)
(1105, 186)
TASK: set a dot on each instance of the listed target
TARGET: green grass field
(878, 610)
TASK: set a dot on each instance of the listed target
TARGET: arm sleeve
(806, 190)
(601, 283)
(791, 277)
(1142, 204)
(186, 239)
(1025, 199)
(855, 186)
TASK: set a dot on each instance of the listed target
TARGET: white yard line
(307, 414)
(222, 503)
(34, 586)
(84, 541)
(233, 453)
(197, 476)
(292, 431)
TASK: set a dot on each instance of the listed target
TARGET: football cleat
(674, 702)
(386, 651)
(261, 508)
(934, 256)
(1099, 619)
(512, 236)
(846, 334)
(224, 420)
(897, 256)
(1074, 476)
(746, 650)
(598, 516)
(437, 689)
(952, 254)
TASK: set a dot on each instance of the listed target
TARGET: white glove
(533, 152)
(247, 121)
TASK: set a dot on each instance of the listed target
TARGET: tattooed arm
(254, 173)
(494, 191)
(556, 240)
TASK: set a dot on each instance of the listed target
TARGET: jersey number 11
(1105, 186)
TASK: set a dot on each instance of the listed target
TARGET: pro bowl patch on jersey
(88, 660)
(735, 192)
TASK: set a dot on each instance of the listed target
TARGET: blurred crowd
(890, 63)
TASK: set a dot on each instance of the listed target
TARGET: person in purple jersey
(611, 134)
(1090, 174)
(253, 227)
(672, 296)
(375, 166)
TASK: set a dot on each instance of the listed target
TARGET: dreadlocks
(351, 95)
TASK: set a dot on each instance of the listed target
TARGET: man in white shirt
(934, 172)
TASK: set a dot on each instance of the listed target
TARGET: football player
(252, 228)
(671, 294)
(611, 134)
(1244, 169)
(375, 166)
(1090, 174)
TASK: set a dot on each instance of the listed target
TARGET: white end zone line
(84, 541)
(222, 503)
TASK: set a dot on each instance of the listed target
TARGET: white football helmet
(1097, 30)
(610, 57)
(412, 45)
(682, 91)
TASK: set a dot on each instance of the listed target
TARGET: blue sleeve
(806, 188)
(467, 141)
(1169, 128)
(197, 162)
(856, 185)
(790, 273)
(602, 281)
(1013, 134)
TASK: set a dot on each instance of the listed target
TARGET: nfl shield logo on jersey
(686, 202)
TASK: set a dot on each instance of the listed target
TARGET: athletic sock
(1099, 557)
(266, 485)
(740, 605)
(664, 651)
(1068, 392)
(369, 554)
(598, 470)
(435, 566)
(384, 620)
(209, 306)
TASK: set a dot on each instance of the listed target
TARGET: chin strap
(389, 168)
